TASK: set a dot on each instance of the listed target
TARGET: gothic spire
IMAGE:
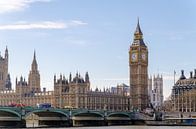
(34, 56)
(138, 29)
(55, 78)
(6, 49)
(138, 36)
(87, 77)
(70, 77)
(34, 76)
(6, 53)
(34, 63)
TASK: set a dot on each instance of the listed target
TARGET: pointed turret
(77, 74)
(34, 63)
(55, 78)
(138, 29)
(61, 77)
(34, 76)
(6, 53)
(21, 78)
(64, 78)
(70, 77)
(16, 81)
(87, 78)
(8, 83)
(138, 35)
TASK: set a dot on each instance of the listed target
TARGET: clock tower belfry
(138, 63)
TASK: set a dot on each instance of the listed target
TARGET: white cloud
(16, 5)
(42, 25)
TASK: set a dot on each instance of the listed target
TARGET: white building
(155, 91)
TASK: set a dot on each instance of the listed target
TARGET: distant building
(121, 89)
(184, 93)
(155, 91)
(167, 104)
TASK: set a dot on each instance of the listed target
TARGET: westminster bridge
(40, 117)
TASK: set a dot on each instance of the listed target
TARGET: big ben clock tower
(138, 63)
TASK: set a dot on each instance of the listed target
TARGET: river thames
(132, 127)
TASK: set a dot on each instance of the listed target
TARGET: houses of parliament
(75, 91)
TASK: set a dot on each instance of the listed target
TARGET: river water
(132, 127)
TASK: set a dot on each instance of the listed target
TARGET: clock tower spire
(138, 64)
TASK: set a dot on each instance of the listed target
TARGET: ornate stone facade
(138, 63)
(68, 93)
(184, 94)
(76, 93)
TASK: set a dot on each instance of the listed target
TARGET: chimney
(195, 74)
(54, 78)
(191, 74)
(182, 75)
(44, 89)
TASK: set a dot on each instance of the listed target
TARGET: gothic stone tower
(34, 76)
(3, 70)
(138, 63)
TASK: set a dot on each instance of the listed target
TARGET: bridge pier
(53, 123)
(138, 122)
(118, 119)
(119, 122)
(11, 124)
(78, 123)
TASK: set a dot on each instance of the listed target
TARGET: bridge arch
(118, 118)
(10, 118)
(9, 112)
(88, 113)
(87, 118)
(118, 114)
(53, 112)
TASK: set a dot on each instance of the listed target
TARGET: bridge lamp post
(105, 113)
(22, 114)
(70, 114)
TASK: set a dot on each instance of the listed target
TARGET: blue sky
(95, 35)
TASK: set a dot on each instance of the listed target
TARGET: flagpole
(174, 97)
(174, 76)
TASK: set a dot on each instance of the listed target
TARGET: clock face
(134, 56)
(143, 56)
